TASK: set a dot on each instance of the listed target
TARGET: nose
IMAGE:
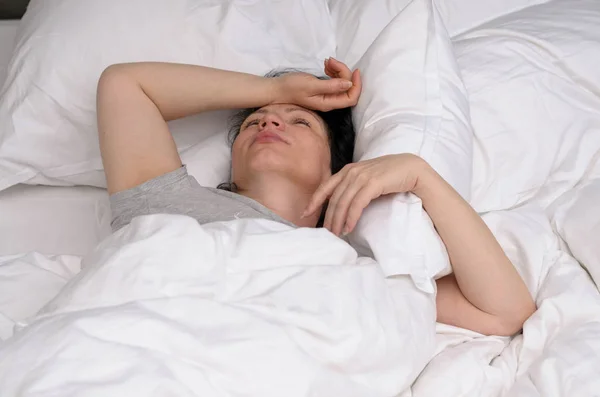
(271, 120)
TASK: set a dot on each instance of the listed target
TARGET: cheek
(237, 152)
(322, 145)
(318, 150)
(235, 149)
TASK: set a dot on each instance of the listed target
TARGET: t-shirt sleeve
(158, 195)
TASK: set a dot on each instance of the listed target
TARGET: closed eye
(251, 123)
(302, 121)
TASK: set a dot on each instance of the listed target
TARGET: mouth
(268, 137)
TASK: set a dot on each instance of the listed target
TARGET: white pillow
(413, 101)
(48, 132)
(534, 87)
(357, 23)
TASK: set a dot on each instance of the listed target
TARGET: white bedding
(248, 307)
(576, 218)
(157, 299)
(534, 104)
(559, 351)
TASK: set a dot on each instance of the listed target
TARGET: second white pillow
(413, 102)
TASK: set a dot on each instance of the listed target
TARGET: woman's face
(282, 139)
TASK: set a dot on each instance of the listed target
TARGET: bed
(508, 111)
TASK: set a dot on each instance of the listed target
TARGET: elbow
(115, 69)
(114, 81)
(512, 323)
(111, 71)
(113, 75)
(118, 74)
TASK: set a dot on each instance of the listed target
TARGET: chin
(268, 160)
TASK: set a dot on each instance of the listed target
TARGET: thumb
(333, 86)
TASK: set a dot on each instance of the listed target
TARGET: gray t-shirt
(179, 193)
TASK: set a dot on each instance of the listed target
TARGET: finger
(344, 99)
(330, 74)
(342, 205)
(354, 92)
(328, 70)
(333, 86)
(322, 193)
(339, 68)
(335, 101)
(361, 200)
(332, 207)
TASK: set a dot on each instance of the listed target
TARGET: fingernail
(347, 84)
(346, 231)
(304, 214)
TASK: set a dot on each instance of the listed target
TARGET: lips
(267, 136)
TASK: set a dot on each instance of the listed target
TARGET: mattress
(48, 220)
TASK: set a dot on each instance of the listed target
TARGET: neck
(282, 196)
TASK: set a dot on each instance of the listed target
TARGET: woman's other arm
(485, 293)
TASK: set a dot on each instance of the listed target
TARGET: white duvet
(245, 308)
(167, 307)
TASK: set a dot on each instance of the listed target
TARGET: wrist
(276, 90)
(426, 177)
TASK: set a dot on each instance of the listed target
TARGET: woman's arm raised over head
(135, 100)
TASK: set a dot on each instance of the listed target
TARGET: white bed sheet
(49, 220)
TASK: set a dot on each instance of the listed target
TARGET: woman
(290, 161)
